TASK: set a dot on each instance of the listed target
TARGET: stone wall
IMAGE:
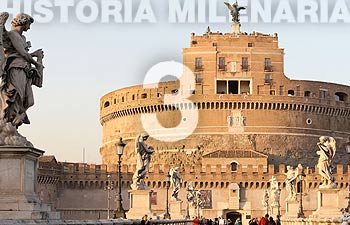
(79, 192)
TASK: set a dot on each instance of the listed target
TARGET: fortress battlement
(160, 170)
(78, 175)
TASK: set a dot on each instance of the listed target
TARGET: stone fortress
(253, 122)
(244, 101)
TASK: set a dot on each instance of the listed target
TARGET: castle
(253, 121)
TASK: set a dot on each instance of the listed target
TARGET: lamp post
(198, 196)
(279, 203)
(108, 188)
(119, 210)
(188, 210)
(167, 214)
(348, 198)
(265, 201)
(301, 176)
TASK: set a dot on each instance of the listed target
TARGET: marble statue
(234, 9)
(190, 192)
(199, 199)
(19, 70)
(144, 153)
(176, 181)
(18, 74)
(327, 150)
(290, 181)
(274, 192)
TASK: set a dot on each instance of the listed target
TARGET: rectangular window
(268, 66)
(281, 90)
(221, 87)
(198, 63)
(221, 63)
(250, 45)
(233, 87)
(198, 78)
(322, 94)
(245, 64)
(268, 78)
(298, 90)
(245, 87)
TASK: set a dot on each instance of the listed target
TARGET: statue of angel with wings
(19, 70)
(176, 181)
(234, 9)
(327, 150)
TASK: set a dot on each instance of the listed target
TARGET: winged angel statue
(327, 150)
(234, 9)
(17, 71)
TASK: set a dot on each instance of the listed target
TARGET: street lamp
(119, 210)
(167, 214)
(108, 188)
(348, 198)
(301, 176)
(188, 210)
(265, 201)
(279, 203)
(198, 201)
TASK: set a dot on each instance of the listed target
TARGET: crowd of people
(216, 221)
(266, 220)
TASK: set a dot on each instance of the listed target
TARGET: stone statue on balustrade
(144, 153)
(190, 192)
(176, 181)
(291, 176)
(274, 192)
(19, 71)
(327, 150)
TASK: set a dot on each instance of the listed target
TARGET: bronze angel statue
(234, 9)
(19, 70)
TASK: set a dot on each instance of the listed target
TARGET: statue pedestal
(291, 209)
(18, 185)
(236, 28)
(176, 210)
(327, 204)
(274, 210)
(140, 204)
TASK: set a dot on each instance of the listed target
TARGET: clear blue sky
(85, 61)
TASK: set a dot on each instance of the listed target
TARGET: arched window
(234, 166)
(341, 97)
(144, 95)
(106, 104)
(290, 92)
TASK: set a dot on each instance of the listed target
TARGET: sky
(85, 60)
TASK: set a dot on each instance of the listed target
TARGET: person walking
(238, 221)
(271, 221)
(264, 220)
(196, 221)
